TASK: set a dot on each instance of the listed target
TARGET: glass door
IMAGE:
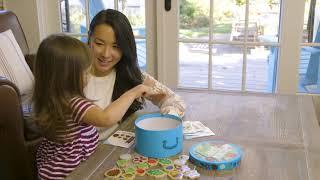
(77, 14)
(231, 45)
(228, 45)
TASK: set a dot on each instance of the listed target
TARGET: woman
(115, 69)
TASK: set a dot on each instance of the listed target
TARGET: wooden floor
(226, 77)
(227, 68)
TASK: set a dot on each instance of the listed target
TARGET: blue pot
(158, 136)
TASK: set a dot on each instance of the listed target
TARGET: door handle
(167, 5)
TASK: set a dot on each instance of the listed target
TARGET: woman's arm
(115, 111)
(169, 103)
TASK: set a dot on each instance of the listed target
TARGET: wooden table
(279, 135)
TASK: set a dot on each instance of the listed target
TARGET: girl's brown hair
(59, 75)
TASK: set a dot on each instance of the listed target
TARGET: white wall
(48, 17)
(27, 15)
(38, 18)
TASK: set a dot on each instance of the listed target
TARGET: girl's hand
(142, 90)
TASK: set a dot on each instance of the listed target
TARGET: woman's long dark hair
(60, 63)
(128, 73)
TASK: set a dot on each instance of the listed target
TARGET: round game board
(215, 155)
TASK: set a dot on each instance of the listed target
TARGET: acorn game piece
(130, 169)
(165, 162)
(121, 163)
(140, 172)
(113, 173)
(139, 159)
(156, 173)
(152, 162)
(179, 162)
(127, 157)
(128, 176)
(143, 165)
(168, 168)
(193, 174)
(175, 175)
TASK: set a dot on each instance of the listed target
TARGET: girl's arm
(170, 103)
(116, 110)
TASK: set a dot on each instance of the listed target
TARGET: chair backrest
(8, 20)
(13, 153)
(15, 162)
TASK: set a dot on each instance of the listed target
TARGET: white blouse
(100, 90)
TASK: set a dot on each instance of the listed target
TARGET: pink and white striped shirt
(56, 160)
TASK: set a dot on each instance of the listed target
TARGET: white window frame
(162, 40)
(53, 17)
(289, 46)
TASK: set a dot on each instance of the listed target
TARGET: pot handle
(165, 146)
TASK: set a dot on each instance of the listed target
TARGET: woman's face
(106, 52)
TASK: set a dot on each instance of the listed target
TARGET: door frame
(289, 45)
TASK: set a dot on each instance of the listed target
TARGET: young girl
(65, 116)
(114, 68)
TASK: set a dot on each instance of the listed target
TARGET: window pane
(228, 20)
(193, 65)
(309, 70)
(194, 19)
(84, 39)
(227, 63)
(311, 31)
(98, 5)
(141, 53)
(261, 68)
(135, 11)
(73, 16)
(264, 19)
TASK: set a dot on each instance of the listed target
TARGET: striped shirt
(56, 160)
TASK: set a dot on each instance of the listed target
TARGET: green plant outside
(223, 28)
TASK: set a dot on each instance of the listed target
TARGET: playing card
(193, 129)
(121, 138)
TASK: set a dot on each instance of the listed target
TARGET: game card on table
(121, 138)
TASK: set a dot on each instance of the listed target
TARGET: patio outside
(228, 26)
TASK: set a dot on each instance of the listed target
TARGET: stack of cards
(121, 138)
(194, 129)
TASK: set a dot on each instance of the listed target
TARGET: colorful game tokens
(121, 163)
(127, 157)
(184, 157)
(179, 162)
(193, 174)
(131, 170)
(183, 168)
(143, 165)
(140, 172)
(128, 176)
(175, 175)
(139, 159)
(168, 168)
(215, 155)
(152, 162)
(165, 162)
(156, 173)
(113, 173)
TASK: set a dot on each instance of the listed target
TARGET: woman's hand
(142, 90)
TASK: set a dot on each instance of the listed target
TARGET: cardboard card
(121, 138)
